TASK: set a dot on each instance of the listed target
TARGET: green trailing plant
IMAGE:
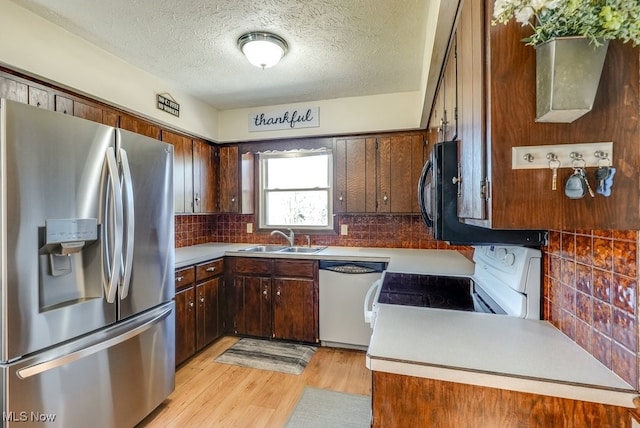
(597, 20)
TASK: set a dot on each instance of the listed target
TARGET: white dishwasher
(343, 286)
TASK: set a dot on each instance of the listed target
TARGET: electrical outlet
(344, 229)
(249, 227)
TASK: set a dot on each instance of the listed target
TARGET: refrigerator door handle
(112, 228)
(129, 223)
(36, 369)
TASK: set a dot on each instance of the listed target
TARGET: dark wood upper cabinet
(139, 126)
(235, 180)
(13, 90)
(497, 109)
(378, 174)
(63, 105)
(182, 171)
(470, 89)
(355, 175)
(40, 98)
(229, 196)
(204, 179)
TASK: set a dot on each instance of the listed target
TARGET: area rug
(322, 408)
(271, 355)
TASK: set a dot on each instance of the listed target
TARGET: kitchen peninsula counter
(490, 351)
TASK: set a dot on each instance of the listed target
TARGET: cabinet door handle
(340, 198)
(264, 292)
(179, 278)
(191, 304)
(278, 293)
(197, 198)
(385, 198)
(233, 199)
(201, 299)
(211, 269)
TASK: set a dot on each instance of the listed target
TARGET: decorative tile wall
(194, 229)
(386, 231)
(591, 294)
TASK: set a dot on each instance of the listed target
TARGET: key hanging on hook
(604, 174)
(554, 164)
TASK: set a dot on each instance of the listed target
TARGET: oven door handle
(369, 315)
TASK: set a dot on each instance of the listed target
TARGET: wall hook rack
(539, 157)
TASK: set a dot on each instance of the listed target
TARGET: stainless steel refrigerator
(87, 319)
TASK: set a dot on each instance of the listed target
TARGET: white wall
(31, 44)
(374, 113)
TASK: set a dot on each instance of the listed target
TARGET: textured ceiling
(337, 48)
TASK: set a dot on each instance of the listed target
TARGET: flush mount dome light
(262, 49)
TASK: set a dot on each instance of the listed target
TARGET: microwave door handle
(129, 224)
(111, 228)
(428, 167)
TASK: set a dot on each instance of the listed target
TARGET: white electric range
(506, 281)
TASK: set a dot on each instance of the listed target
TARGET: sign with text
(168, 105)
(285, 119)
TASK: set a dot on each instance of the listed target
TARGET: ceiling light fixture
(263, 49)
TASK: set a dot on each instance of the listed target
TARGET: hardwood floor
(221, 395)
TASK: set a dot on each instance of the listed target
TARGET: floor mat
(271, 355)
(323, 408)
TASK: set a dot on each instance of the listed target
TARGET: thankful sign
(285, 119)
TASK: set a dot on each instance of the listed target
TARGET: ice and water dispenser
(66, 251)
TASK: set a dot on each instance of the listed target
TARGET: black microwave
(438, 200)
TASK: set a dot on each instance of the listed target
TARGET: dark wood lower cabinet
(293, 311)
(185, 322)
(199, 320)
(273, 298)
(405, 401)
(208, 320)
(251, 306)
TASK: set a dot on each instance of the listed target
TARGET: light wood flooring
(210, 394)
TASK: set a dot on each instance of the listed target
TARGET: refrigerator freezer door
(51, 280)
(148, 185)
(112, 378)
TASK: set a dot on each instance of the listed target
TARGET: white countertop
(465, 347)
(492, 351)
(438, 262)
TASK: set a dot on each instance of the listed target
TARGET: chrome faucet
(291, 238)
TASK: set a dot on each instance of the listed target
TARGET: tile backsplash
(390, 231)
(591, 294)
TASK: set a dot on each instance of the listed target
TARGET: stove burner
(443, 292)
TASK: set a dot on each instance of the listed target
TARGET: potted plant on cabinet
(571, 39)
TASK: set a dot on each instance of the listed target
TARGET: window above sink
(295, 190)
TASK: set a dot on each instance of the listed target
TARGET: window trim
(261, 205)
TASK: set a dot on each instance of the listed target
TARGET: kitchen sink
(281, 249)
(265, 248)
(305, 250)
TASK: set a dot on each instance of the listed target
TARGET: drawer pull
(179, 278)
(211, 269)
